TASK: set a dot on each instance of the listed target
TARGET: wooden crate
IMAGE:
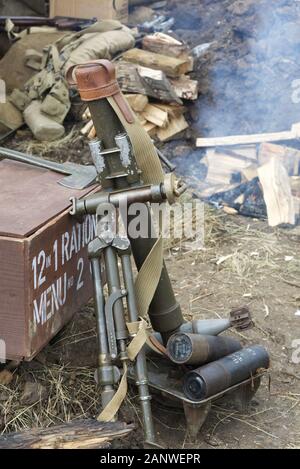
(44, 269)
(100, 9)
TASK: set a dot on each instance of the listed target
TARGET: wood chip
(6, 377)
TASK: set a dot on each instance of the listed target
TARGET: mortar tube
(164, 312)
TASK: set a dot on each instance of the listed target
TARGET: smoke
(250, 76)
(249, 82)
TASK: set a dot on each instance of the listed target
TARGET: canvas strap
(140, 336)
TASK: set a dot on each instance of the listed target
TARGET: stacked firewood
(154, 80)
(255, 168)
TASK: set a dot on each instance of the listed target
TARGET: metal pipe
(141, 365)
(143, 194)
(114, 285)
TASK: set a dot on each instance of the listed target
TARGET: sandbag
(20, 99)
(101, 46)
(42, 127)
(10, 117)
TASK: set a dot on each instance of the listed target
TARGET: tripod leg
(141, 365)
(114, 284)
(105, 370)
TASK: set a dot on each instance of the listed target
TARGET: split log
(222, 167)
(277, 193)
(87, 128)
(289, 157)
(171, 66)
(137, 102)
(93, 133)
(155, 116)
(185, 88)
(151, 129)
(141, 119)
(86, 115)
(142, 80)
(81, 434)
(295, 186)
(161, 43)
(250, 172)
(249, 139)
(173, 110)
(175, 127)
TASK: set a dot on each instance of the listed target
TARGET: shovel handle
(34, 160)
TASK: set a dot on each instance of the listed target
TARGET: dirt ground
(243, 261)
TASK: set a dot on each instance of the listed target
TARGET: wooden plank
(13, 297)
(249, 139)
(185, 88)
(290, 157)
(171, 66)
(137, 102)
(277, 193)
(154, 83)
(155, 116)
(81, 434)
(176, 125)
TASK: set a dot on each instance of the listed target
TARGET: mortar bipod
(112, 331)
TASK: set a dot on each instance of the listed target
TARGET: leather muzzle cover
(97, 80)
